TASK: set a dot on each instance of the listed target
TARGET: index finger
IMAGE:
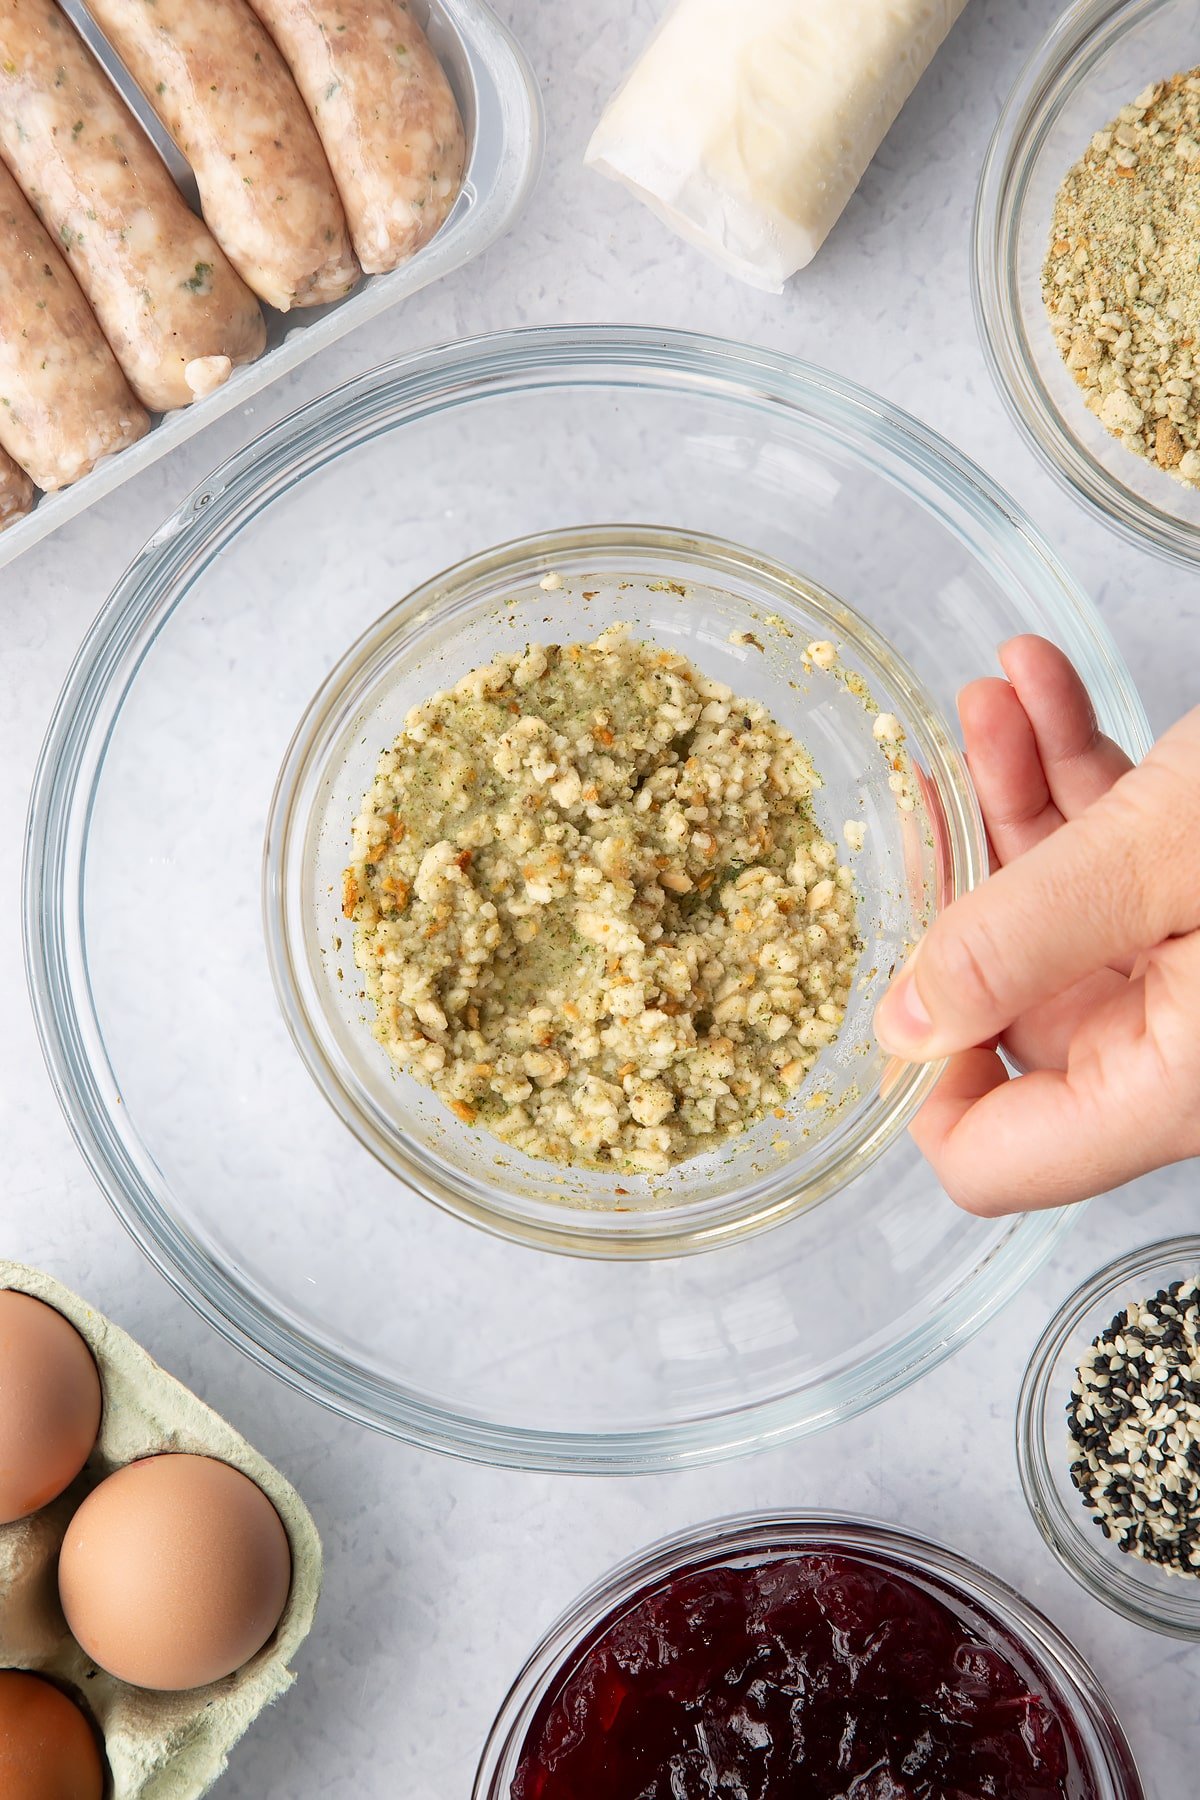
(1034, 746)
(1116, 881)
(1080, 763)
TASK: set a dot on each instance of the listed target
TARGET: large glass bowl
(746, 621)
(147, 961)
(1097, 57)
(986, 1605)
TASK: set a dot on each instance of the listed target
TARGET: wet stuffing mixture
(593, 909)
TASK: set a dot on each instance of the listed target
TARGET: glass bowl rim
(1066, 1531)
(257, 1322)
(304, 770)
(744, 1532)
(1084, 31)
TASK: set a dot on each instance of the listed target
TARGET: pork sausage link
(223, 91)
(386, 114)
(16, 491)
(65, 401)
(176, 314)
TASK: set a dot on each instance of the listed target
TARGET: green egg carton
(158, 1746)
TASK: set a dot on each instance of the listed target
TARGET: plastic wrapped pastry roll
(748, 124)
(16, 491)
(386, 115)
(66, 402)
(174, 311)
(221, 88)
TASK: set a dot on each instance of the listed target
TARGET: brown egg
(48, 1751)
(49, 1404)
(174, 1572)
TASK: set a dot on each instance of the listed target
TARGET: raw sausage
(224, 93)
(16, 491)
(170, 304)
(173, 309)
(386, 114)
(65, 401)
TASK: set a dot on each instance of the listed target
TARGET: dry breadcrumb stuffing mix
(1122, 279)
(593, 909)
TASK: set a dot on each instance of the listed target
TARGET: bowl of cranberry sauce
(763, 1658)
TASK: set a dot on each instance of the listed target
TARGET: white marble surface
(440, 1575)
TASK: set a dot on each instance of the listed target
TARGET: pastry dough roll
(748, 124)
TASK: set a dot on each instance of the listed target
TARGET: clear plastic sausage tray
(498, 97)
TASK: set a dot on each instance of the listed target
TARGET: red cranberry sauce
(808, 1677)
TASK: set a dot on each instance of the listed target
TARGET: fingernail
(902, 1020)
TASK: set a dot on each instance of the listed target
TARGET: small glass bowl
(1137, 1590)
(1099, 54)
(981, 1599)
(923, 847)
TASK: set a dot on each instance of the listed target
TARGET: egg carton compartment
(159, 1746)
(501, 110)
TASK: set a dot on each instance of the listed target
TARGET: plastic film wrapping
(748, 124)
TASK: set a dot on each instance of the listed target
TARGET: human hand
(1080, 957)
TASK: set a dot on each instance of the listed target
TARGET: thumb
(1113, 883)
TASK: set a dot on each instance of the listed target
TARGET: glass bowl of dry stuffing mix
(1087, 263)
(589, 865)
(1108, 1436)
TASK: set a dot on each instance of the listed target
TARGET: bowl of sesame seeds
(1084, 276)
(1108, 1436)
